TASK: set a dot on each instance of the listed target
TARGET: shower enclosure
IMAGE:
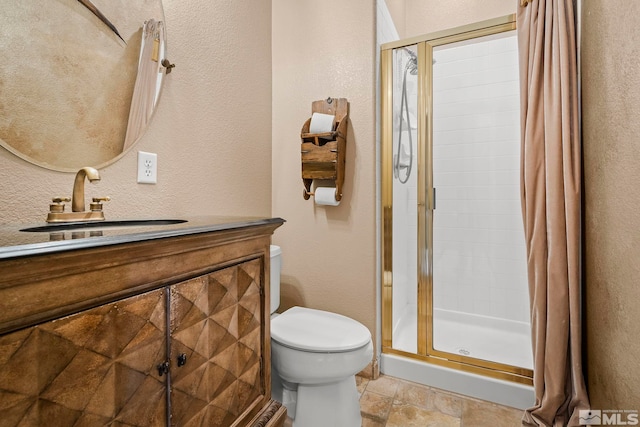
(454, 279)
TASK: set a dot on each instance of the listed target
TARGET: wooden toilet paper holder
(323, 154)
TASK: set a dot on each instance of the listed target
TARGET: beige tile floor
(391, 402)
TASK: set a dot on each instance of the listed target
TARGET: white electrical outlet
(147, 168)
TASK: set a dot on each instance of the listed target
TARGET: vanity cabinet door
(96, 367)
(217, 346)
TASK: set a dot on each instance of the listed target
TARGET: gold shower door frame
(426, 351)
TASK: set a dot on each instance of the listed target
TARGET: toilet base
(327, 405)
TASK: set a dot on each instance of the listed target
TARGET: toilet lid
(318, 331)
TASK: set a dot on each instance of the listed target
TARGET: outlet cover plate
(147, 168)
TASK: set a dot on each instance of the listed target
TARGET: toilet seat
(318, 331)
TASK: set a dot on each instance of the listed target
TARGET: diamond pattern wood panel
(215, 322)
(94, 368)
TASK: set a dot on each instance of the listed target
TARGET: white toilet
(314, 356)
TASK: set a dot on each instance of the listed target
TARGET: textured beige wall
(418, 17)
(611, 107)
(212, 130)
(321, 49)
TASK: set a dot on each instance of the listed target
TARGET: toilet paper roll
(321, 123)
(326, 196)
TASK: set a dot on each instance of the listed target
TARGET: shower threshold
(502, 392)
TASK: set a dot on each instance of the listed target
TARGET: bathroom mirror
(68, 77)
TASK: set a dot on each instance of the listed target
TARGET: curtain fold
(551, 203)
(148, 79)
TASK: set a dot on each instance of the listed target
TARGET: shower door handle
(430, 203)
(433, 202)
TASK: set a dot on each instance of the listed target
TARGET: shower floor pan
(481, 337)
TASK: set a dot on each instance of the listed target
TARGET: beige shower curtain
(551, 199)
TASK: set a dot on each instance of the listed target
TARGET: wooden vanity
(160, 326)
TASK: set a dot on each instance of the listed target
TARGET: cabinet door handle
(163, 368)
(182, 359)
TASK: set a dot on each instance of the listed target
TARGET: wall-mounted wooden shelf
(323, 154)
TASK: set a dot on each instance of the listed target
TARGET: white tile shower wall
(479, 253)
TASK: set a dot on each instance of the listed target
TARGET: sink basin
(71, 226)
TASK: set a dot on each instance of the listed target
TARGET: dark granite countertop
(15, 243)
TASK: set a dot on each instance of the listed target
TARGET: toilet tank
(276, 265)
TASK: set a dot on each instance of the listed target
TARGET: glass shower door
(454, 279)
(480, 294)
(405, 190)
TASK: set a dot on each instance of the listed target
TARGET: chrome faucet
(78, 213)
(77, 201)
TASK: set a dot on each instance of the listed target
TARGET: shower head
(412, 65)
